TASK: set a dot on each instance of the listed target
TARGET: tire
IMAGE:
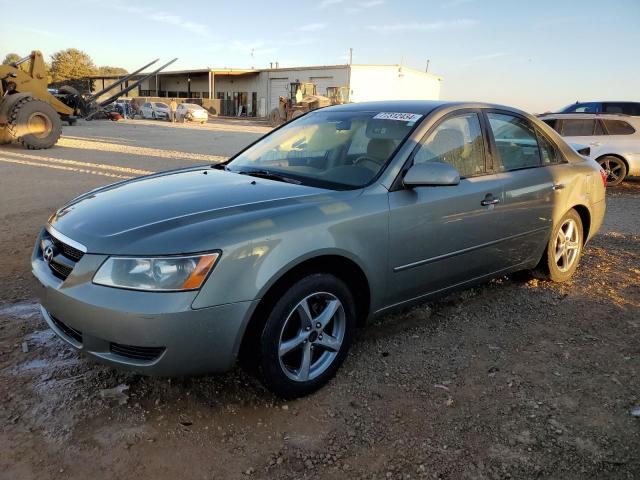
(34, 123)
(564, 249)
(275, 119)
(615, 168)
(153, 115)
(4, 136)
(322, 341)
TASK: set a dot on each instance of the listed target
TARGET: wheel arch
(585, 218)
(617, 155)
(343, 267)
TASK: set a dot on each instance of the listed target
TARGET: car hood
(168, 212)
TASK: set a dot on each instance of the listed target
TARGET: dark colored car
(625, 108)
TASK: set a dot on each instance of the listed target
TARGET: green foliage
(106, 70)
(71, 64)
(14, 57)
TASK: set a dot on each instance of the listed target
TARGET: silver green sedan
(344, 214)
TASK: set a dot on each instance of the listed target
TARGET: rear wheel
(564, 249)
(615, 168)
(275, 119)
(34, 123)
(306, 336)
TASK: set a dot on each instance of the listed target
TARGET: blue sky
(536, 55)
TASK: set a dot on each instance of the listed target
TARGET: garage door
(279, 88)
(322, 83)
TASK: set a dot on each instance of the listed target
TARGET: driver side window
(457, 141)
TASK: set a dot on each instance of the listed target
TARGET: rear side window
(457, 141)
(627, 108)
(548, 152)
(578, 127)
(618, 127)
(515, 140)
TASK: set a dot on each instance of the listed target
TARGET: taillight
(603, 175)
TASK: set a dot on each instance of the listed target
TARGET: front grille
(136, 353)
(67, 330)
(59, 270)
(65, 258)
(67, 250)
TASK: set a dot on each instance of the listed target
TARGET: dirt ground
(514, 379)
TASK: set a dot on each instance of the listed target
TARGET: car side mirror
(431, 174)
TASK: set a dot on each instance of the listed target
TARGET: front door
(441, 236)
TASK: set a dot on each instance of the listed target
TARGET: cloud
(311, 27)
(163, 17)
(327, 3)
(364, 5)
(455, 3)
(423, 26)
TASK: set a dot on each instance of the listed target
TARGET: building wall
(392, 82)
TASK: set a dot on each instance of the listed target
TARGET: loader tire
(34, 123)
(275, 120)
(4, 136)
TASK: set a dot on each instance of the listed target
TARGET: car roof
(586, 115)
(423, 107)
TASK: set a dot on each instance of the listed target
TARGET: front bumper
(152, 333)
(633, 160)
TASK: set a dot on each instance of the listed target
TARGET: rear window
(578, 127)
(618, 127)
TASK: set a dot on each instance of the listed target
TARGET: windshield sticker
(402, 117)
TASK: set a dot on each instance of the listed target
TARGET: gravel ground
(517, 378)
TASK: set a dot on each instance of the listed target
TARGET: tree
(71, 64)
(106, 70)
(14, 57)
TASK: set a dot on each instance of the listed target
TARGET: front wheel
(306, 336)
(615, 169)
(564, 249)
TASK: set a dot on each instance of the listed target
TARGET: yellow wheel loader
(29, 114)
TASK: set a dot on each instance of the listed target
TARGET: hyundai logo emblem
(48, 253)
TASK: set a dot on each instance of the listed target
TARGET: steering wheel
(366, 158)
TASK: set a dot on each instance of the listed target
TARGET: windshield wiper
(268, 175)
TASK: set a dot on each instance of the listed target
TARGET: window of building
(618, 127)
(458, 142)
(516, 142)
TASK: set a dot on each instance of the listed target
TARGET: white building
(257, 90)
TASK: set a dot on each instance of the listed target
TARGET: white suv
(614, 140)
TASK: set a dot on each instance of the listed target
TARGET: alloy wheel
(613, 168)
(567, 245)
(311, 336)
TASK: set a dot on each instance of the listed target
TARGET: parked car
(155, 110)
(613, 140)
(626, 108)
(191, 112)
(342, 215)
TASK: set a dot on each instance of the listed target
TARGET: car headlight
(156, 273)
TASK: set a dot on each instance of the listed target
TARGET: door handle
(558, 186)
(489, 200)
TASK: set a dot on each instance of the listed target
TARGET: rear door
(527, 212)
(441, 236)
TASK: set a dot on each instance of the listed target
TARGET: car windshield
(161, 105)
(337, 150)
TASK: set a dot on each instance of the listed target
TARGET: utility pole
(350, 56)
(427, 69)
